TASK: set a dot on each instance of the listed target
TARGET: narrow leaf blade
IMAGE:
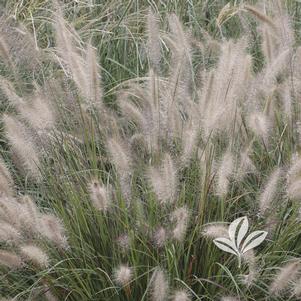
(244, 226)
(254, 240)
(233, 227)
(226, 245)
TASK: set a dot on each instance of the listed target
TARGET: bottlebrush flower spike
(238, 243)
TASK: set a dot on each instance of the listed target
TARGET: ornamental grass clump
(150, 155)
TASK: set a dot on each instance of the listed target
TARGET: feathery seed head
(270, 190)
(215, 231)
(22, 49)
(153, 42)
(37, 112)
(10, 93)
(181, 295)
(164, 180)
(25, 151)
(160, 286)
(10, 260)
(297, 288)
(6, 181)
(94, 91)
(8, 233)
(160, 237)
(294, 179)
(224, 174)
(246, 166)
(10, 211)
(250, 259)
(4, 51)
(99, 195)
(124, 242)
(181, 218)
(285, 276)
(123, 274)
(260, 125)
(190, 139)
(29, 215)
(123, 163)
(52, 228)
(294, 190)
(35, 255)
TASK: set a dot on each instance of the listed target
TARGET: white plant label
(238, 243)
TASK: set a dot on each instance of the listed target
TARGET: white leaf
(232, 228)
(251, 243)
(226, 245)
(244, 226)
